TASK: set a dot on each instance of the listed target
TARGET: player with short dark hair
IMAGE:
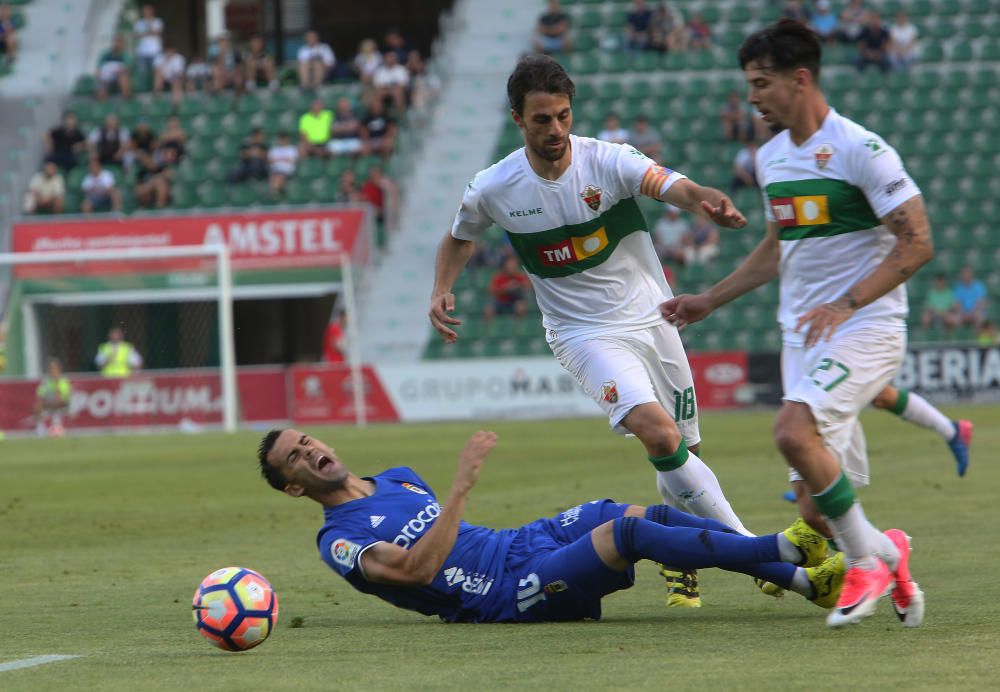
(569, 208)
(846, 227)
(388, 536)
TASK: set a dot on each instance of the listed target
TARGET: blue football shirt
(470, 586)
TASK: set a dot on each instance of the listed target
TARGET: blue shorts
(557, 574)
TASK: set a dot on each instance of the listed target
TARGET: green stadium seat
(590, 19)
(211, 194)
(183, 195)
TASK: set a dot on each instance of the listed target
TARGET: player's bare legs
(683, 479)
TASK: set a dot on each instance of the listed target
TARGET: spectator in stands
(988, 335)
(613, 131)
(391, 81)
(367, 61)
(258, 65)
(99, 190)
(314, 130)
(282, 158)
(154, 176)
(253, 163)
(345, 132)
(316, 61)
(383, 194)
(939, 304)
(744, 167)
(348, 192)
(970, 299)
(52, 401)
(378, 130)
(112, 70)
(701, 242)
(116, 357)
(873, 44)
(335, 337)
(852, 21)
(509, 289)
(173, 135)
(637, 24)
(65, 143)
(645, 139)
(198, 74)
(169, 73)
(8, 35)
(668, 235)
(736, 116)
(824, 22)
(394, 42)
(148, 31)
(110, 142)
(902, 43)
(46, 191)
(227, 65)
(794, 10)
(699, 33)
(143, 139)
(552, 31)
(667, 31)
(423, 85)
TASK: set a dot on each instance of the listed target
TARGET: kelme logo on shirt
(811, 210)
(574, 249)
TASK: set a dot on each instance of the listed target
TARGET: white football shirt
(827, 197)
(581, 238)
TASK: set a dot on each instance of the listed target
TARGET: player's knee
(794, 431)
(884, 399)
(623, 530)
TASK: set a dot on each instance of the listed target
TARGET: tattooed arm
(914, 248)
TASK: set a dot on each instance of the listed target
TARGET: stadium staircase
(942, 117)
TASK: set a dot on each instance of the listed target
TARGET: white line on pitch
(33, 661)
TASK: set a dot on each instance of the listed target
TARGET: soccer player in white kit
(846, 226)
(568, 206)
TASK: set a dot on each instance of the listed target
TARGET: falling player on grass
(568, 206)
(388, 536)
(846, 226)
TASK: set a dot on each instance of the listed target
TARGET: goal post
(52, 268)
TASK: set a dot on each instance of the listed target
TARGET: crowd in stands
(393, 79)
(964, 303)
(8, 36)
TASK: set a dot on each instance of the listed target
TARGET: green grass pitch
(103, 541)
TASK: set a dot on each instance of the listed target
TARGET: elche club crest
(592, 196)
(823, 154)
(609, 392)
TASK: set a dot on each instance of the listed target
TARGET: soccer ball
(235, 608)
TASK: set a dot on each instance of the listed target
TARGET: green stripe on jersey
(578, 247)
(819, 208)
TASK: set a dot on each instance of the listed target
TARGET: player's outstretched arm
(914, 248)
(387, 563)
(453, 254)
(705, 201)
(757, 269)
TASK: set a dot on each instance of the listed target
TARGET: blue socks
(690, 542)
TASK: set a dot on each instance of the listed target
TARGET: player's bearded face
(546, 123)
(307, 462)
(774, 94)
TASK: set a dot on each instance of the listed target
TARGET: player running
(568, 206)
(389, 536)
(846, 227)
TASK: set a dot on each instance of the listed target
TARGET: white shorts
(621, 371)
(837, 379)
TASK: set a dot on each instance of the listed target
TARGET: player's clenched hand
(471, 459)
(686, 309)
(441, 305)
(725, 215)
(824, 320)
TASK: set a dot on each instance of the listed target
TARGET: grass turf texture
(104, 540)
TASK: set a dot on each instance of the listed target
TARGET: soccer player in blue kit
(388, 536)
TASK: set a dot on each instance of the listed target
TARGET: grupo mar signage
(952, 372)
(278, 239)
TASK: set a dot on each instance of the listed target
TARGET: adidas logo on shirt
(376, 520)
